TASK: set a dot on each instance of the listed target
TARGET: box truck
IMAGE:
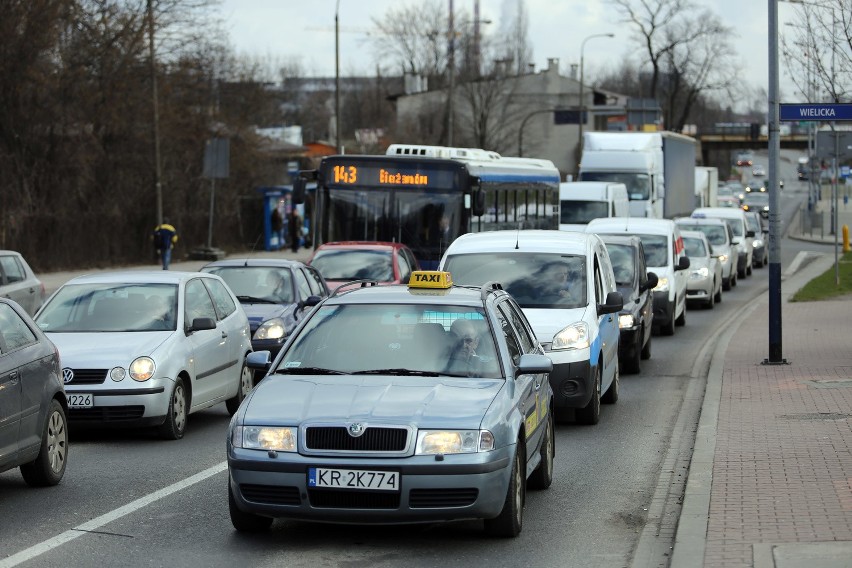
(706, 186)
(658, 169)
(582, 201)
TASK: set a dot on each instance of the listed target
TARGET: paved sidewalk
(770, 483)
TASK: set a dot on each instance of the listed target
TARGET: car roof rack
(489, 287)
(363, 284)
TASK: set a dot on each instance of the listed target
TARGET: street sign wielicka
(814, 112)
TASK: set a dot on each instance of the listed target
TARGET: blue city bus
(426, 196)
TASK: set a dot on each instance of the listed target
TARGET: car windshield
(656, 249)
(753, 224)
(736, 226)
(353, 264)
(621, 257)
(110, 308)
(257, 283)
(694, 247)
(535, 280)
(581, 212)
(716, 234)
(638, 185)
(757, 199)
(393, 339)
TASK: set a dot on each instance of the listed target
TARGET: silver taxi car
(393, 404)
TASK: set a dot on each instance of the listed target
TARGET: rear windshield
(581, 212)
(535, 280)
(716, 234)
(694, 247)
(621, 257)
(351, 264)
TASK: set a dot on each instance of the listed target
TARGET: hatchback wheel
(646, 349)
(244, 388)
(49, 465)
(175, 424)
(542, 477)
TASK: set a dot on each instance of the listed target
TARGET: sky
(304, 30)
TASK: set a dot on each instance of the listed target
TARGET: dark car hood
(259, 313)
(420, 401)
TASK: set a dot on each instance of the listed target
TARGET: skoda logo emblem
(67, 375)
(356, 429)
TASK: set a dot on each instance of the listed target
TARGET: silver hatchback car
(148, 348)
(19, 283)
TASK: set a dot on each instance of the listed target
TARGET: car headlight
(117, 374)
(142, 369)
(723, 258)
(757, 243)
(271, 329)
(626, 321)
(699, 273)
(766, 207)
(662, 285)
(575, 336)
(276, 438)
(453, 442)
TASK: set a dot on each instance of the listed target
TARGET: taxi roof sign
(430, 279)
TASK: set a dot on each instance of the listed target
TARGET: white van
(664, 256)
(564, 283)
(582, 201)
(743, 238)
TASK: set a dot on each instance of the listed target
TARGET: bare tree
(414, 37)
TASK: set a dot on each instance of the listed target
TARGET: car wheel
(734, 277)
(646, 349)
(542, 477)
(246, 384)
(591, 413)
(175, 424)
(510, 521)
(766, 260)
(749, 270)
(246, 522)
(718, 296)
(631, 363)
(49, 465)
(611, 394)
(711, 300)
(681, 319)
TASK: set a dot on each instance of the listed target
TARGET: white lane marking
(98, 522)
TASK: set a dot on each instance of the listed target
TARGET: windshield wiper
(306, 371)
(255, 300)
(397, 371)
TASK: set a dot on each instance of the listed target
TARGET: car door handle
(224, 334)
(13, 377)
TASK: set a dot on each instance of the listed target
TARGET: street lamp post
(337, 77)
(451, 65)
(582, 99)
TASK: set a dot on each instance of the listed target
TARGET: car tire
(175, 423)
(711, 300)
(631, 363)
(749, 269)
(246, 384)
(591, 413)
(681, 319)
(49, 465)
(611, 394)
(718, 296)
(510, 521)
(542, 477)
(734, 279)
(246, 522)
(646, 349)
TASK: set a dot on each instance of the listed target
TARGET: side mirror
(311, 301)
(614, 303)
(200, 324)
(682, 263)
(533, 363)
(651, 283)
(300, 185)
(259, 360)
(749, 234)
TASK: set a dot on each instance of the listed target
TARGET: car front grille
(106, 413)
(440, 498)
(336, 499)
(271, 494)
(88, 377)
(337, 438)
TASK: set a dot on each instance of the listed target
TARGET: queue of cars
(425, 400)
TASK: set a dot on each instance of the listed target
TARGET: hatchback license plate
(353, 479)
(80, 400)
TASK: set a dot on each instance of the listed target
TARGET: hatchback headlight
(271, 329)
(626, 321)
(275, 438)
(723, 258)
(575, 336)
(431, 442)
(757, 243)
(662, 284)
(142, 369)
